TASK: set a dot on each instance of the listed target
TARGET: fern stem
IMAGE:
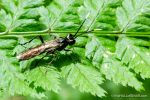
(63, 33)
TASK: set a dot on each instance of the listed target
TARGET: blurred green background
(114, 92)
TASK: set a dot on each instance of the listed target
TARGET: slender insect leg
(28, 41)
(36, 64)
(67, 50)
(40, 60)
(32, 40)
(41, 38)
(54, 58)
(48, 52)
(23, 46)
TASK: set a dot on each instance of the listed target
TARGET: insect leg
(47, 53)
(54, 58)
(67, 50)
(40, 59)
(41, 38)
(54, 54)
(32, 40)
(28, 41)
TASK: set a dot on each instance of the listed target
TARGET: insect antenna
(75, 35)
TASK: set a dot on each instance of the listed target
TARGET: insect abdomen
(51, 45)
(31, 53)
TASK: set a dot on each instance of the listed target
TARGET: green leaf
(81, 41)
(17, 9)
(28, 25)
(70, 20)
(32, 3)
(118, 73)
(119, 58)
(54, 12)
(84, 77)
(96, 51)
(111, 68)
(129, 13)
(136, 57)
(7, 43)
(44, 16)
(5, 19)
(11, 80)
(94, 8)
(142, 24)
(24, 65)
(31, 13)
(48, 78)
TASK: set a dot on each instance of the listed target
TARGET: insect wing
(49, 47)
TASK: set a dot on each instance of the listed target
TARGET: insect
(50, 47)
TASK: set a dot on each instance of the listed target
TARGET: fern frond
(84, 77)
(118, 73)
(128, 14)
(96, 51)
(103, 59)
(47, 78)
(55, 11)
(137, 57)
(95, 9)
(17, 17)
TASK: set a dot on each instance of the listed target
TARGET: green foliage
(106, 53)
(48, 78)
(129, 13)
(15, 15)
(86, 78)
(95, 51)
(119, 73)
(11, 80)
(137, 58)
(95, 9)
(112, 68)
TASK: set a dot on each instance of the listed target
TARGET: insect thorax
(70, 39)
(64, 42)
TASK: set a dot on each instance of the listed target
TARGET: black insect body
(50, 46)
(69, 40)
